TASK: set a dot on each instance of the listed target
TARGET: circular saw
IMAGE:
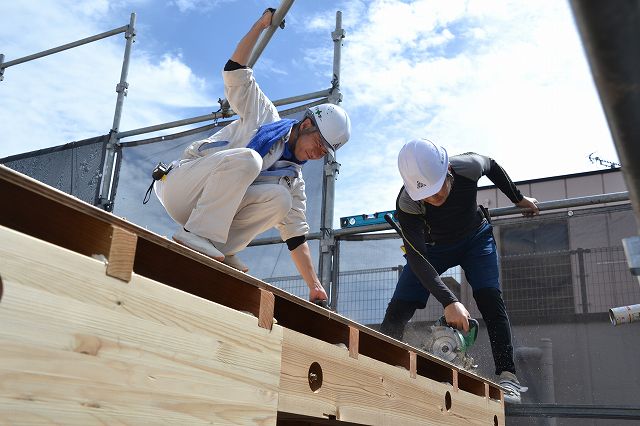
(450, 344)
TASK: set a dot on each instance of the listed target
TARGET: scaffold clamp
(122, 87)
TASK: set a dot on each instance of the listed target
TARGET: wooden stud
(265, 314)
(413, 364)
(455, 380)
(122, 253)
(354, 342)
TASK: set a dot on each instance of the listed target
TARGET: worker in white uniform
(246, 178)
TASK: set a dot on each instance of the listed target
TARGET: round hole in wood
(447, 401)
(495, 420)
(315, 377)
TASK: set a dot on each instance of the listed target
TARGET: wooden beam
(122, 253)
(42, 217)
(367, 391)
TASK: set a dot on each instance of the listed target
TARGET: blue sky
(503, 78)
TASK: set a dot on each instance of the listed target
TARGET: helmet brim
(426, 191)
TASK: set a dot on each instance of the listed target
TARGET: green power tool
(451, 344)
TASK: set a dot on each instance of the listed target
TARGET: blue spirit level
(365, 219)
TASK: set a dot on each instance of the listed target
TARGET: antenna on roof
(596, 159)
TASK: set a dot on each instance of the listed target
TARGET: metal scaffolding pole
(328, 259)
(4, 65)
(105, 199)
(323, 94)
(506, 211)
(262, 42)
(281, 12)
(358, 232)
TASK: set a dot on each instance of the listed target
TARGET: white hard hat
(333, 124)
(423, 167)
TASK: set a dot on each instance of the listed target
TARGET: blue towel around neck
(269, 134)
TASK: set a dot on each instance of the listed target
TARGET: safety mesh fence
(606, 280)
(547, 272)
(581, 281)
(537, 284)
(74, 168)
(536, 287)
(293, 284)
(362, 296)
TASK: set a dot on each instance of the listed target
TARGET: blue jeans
(476, 254)
(478, 257)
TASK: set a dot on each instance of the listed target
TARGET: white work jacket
(255, 109)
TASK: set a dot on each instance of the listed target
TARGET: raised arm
(247, 43)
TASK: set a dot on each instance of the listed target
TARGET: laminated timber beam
(103, 321)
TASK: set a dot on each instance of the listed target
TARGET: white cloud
(505, 79)
(198, 5)
(266, 65)
(71, 95)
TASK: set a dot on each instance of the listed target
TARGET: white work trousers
(213, 197)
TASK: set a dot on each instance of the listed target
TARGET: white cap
(423, 167)
(333, 124)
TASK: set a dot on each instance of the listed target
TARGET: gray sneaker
(513, 389)
(198, 243)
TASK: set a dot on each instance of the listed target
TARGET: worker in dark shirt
(444, 227)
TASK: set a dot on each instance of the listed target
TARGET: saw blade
(443, 343)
